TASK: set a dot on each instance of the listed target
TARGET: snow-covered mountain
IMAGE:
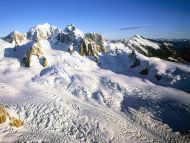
(154, 48)
(42, 32)
(16, 38)
(66, 85)
(149, 59)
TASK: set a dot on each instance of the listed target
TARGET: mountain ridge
(144, 56)
(67, 85)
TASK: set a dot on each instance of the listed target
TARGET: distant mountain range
(138, 52)
(66, 85)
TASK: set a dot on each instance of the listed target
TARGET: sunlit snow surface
(74, 100)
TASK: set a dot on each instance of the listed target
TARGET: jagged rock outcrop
(16, 38)
(135, 61)
(4, 116)
(70, 35)
(158, 77)
(74, 32)
(45, 62)
(145, 71)
(35, 50)
(97, 38)
(89, 44)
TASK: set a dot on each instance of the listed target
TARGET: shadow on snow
(169, 111)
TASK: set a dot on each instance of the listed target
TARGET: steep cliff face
(35, 50)
(16, 38)
(90, 44)
(70, 35)
(97, 38)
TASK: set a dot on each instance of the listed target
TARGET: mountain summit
(16, 38)
(42, 32)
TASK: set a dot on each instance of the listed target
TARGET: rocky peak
(137, 36)
(91, 45)
(70, 27)
(72, 30)
(97, 38)
(16, 38)
(70, 35)
(36, 50)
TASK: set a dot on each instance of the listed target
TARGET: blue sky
(151, 18)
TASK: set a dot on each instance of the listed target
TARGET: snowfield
(138, 39)
(74, 99)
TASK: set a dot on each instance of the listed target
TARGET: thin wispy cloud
(112, 32)
(130, 28)
(134, 27)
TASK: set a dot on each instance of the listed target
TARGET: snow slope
(3, 46)
(137, 40)
(76, 100)
(122, 59)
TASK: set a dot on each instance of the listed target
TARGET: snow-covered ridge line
(126, 95)
(137, 54)
(145, 42)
